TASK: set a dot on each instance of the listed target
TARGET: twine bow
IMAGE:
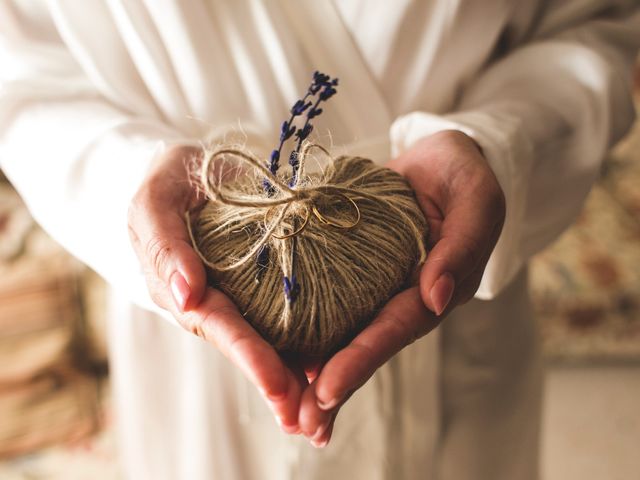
(312, 196)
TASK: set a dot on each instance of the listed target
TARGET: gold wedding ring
(321, 218)
(292, 234)
(325, 221)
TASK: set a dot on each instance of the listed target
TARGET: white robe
(92, 90)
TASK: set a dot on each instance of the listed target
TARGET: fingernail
(321, 444)
(328, 405)
(180, 290)
(275, 397)
(442, 291)
(321, 430)
(291, 429)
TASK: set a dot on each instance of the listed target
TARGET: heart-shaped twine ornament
(308, 262)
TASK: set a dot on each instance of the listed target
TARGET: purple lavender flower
(299, 107)
(323, 86)
(286, 132)
(273, 161)
(304, 132)
(291, 288)
(327, 93)
(314, 112)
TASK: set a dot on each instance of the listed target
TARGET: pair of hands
(465, 208)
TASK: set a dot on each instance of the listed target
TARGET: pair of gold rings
(321, 218)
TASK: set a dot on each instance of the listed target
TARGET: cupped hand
(465, 209)
(176, 281)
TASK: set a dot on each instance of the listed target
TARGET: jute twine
(352, 235)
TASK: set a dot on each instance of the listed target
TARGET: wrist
(453, 135)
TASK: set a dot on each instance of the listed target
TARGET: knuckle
(212, 317)
(406, 329)
(238, 346)
(365, 350)
(410, 331)
(194, 324)
(237, 343)
(198, 331)
(158, 253)
(212, 330)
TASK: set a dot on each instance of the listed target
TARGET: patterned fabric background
(586, 286)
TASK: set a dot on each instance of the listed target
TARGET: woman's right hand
(176, 280)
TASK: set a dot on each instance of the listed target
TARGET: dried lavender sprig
(286, 131)
(291, 288)
(303, 133)
(325, 86)
(320, 82)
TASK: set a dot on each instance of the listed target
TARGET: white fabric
(90, 91)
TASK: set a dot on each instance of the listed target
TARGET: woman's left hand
(465, 209)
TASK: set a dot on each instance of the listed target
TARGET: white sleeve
(545, 115)
(75, 157)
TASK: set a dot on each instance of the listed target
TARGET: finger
(312, 420)
(323, 440)
(465, 237)
(286, 410)
(315, 423)
(401, 321)
(288, 420)
(161, 240)
(217, 320)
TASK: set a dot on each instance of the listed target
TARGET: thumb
(455, 264)
(173, 259)
(160, 238)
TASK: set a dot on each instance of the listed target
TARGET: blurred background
(55, 416)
